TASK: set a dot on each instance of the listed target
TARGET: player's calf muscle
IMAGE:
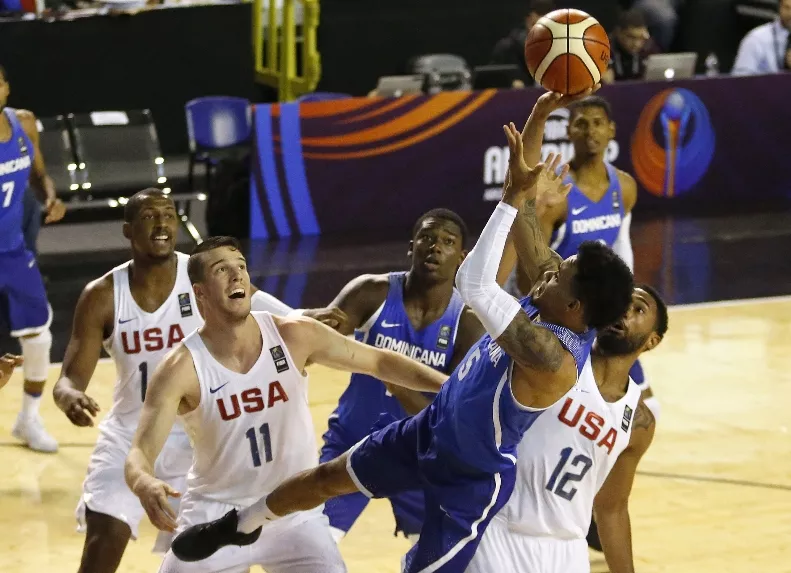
(311, 488)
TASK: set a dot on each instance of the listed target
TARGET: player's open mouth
(237, 293)
(161, 239)
(431, 264)
(618, 329)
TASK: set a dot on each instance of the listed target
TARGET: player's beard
(613, 345)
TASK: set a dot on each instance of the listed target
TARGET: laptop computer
(670, 66)
(397, 86)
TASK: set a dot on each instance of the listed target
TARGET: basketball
(567, 51)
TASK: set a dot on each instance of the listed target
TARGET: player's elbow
(609, 508)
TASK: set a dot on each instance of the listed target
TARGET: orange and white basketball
(567, 51)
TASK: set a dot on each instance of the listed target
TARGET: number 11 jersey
(565, 457)
(140, 340)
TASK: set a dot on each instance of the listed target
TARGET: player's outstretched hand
(79, 408)
(550, 188)
(7, 364)
(335, 318)
(55, 209)
(520, 182)
(552, 101)
(153, 494)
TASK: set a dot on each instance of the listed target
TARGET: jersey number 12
(580, 462)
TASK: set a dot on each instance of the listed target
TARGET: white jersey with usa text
(564, 459)
(140, 340)
(250, 431)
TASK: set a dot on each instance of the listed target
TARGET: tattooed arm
(611, 506)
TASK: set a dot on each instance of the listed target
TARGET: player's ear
(127, 230)
(651, 343)
(612, 129)
(574, 305)
(411, 246)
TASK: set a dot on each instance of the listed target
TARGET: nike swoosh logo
(578, 211)
(386, 324)
(218, 388)
(31, 264)
(121, 321)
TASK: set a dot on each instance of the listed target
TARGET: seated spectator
(511, 49)
(630, 45)
(765, 49)
(662, 19)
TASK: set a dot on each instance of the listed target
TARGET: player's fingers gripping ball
(567, 51)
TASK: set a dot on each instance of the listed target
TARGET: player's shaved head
(136, 202)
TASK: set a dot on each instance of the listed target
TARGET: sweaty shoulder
(96, 303)
(28, 120)
(361, 296)
(628, 190)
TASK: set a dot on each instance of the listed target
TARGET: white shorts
(298, 543)
(105, 491)
(504, 550)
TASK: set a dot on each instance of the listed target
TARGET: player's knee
(35, 351)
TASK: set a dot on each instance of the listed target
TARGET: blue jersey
(589, 221)
(366, 398)
(475, 417)
(16, 160)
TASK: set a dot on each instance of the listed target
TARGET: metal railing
(277, 46)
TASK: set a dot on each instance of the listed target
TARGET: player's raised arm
(611, 505)
(310, 341)
(92, 323)
(530, 345)
(173, 381)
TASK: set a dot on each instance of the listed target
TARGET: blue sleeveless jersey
(475, 417)
(589, 221)
(365, 398)
(16, 160)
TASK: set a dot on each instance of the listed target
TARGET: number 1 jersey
(140, 340)
(564, 459)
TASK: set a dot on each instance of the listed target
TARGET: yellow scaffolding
(276, 66)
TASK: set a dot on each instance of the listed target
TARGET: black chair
(56, 147)
(121, 154)
(120, 150)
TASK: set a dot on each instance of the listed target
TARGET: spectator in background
(511, 49)
(662, 19)
(630, 45)
(765, 49)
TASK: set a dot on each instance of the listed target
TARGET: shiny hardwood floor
(713, 494)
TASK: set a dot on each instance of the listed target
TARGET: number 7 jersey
(140, 340)
(565, 457)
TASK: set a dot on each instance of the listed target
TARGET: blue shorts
(636, 373)
(460, 501)
(343, 511)
(22, 295)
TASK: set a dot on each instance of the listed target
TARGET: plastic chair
(322, 96)
(216, 126)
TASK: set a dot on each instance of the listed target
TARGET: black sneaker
(204, 540)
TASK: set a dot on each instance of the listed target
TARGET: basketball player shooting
(581, 456)
(240, 387)
(138, 312)
(461, 449)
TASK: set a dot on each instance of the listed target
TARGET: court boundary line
(712, 479)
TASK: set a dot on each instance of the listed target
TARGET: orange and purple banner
(365, 165)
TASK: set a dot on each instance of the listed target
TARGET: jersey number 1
(254, 450)
(143, 380)
(582, 462)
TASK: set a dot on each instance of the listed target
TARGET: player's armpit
(532, 346)
(174, 380)
(359, 299)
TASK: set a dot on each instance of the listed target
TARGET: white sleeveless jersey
(565, 457)
(140, 340)
(250, 431)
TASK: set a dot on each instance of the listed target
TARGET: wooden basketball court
(714, 495)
